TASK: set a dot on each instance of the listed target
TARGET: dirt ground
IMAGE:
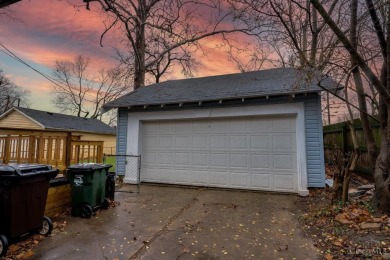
(351, 232)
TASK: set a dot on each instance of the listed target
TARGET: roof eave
(211, 100)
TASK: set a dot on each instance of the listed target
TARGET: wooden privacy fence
(58, 151)
(338, 140)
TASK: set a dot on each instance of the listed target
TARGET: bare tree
(155, 29)
(292, 29)
(294, 36)
(164, 65)
(82, 94)
(380, 82)
(11, 94)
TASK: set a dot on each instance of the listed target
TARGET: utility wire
(15, 57)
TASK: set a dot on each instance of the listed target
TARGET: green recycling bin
(88, 182)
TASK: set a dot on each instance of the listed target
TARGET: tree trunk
(139, 76)
(367, 130)
(382, 167)
(347, 178)
(140, 70)
(382, 178)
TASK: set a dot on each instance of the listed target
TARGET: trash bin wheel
(3, 245)
(106, 203)
(47, 226)
(86, 211)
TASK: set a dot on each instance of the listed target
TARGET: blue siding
(121, 141)
(313, 132)
(314, 145)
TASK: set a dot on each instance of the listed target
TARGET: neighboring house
(256, 130)
(34, 136)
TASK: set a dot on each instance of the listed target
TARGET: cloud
(45, 36)
(56, 30)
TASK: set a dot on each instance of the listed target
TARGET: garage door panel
(150, 128)
(166, 127)
(238, 160)
(165, 158)
(150, 158)
(200, 127)
(260, 161)
(256, 153)
(183, 176)
(181, 142)
(218, 126)
(219, 160)
(238, 126)
(261, 181)
(182, 158)
(259, 142)
(150, 142)
(200, 159)
(239, 180)
(284, 162)
(219, 178)
(218, 142)
(284, 182)
(259, 125)
(238, 142)
(284, 142)
(283, 124)
(182, 127)
(200, 141)
(165, 142)
(157, 174)
(200, 177)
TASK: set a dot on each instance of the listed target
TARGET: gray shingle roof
(66, 122)
(270, 82)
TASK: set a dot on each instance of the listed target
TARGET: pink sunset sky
(41, 32)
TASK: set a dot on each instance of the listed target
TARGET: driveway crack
(101, 249)
(164, 229)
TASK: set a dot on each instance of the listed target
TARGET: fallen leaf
(185, 250)
(337, 243)
(343, 219)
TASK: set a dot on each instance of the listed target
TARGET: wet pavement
(165, 222)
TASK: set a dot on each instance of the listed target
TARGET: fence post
(68, 150)
(31, 149)
(7, 149)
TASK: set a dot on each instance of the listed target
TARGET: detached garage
(257, 130)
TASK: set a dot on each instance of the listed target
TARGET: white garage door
(257, 153)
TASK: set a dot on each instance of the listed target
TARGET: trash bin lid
(22, 169)
(88, 167)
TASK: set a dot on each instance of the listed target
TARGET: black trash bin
(23, 194)
(110, 185)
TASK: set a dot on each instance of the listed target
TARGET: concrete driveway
(182, 223)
